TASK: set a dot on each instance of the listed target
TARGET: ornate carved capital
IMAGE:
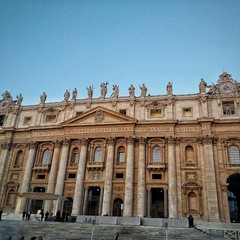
(172, 140)
(66, 142)
(131, 140)
(57, 144)
(208, 139)
(111, 141)
(7, 145)
(32, 145)
(84, 141)
(142, 141)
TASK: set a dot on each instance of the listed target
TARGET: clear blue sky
(54, 45)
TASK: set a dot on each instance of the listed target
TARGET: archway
(67, 206)
(117, 207)
(234, 197)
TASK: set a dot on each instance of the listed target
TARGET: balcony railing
(95, 165)
(157, 166)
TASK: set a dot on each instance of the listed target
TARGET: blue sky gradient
(54, 45)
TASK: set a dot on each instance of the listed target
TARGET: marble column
(28, 173)
(52, 175)
(128, 199)
(85, 202)
(226, 212)
(141, 199)
(210, 175)
(78, 194)
(107, 196)
(172, 180)
(100, 201)
(5, 155)
(149, 202)
(165, 203)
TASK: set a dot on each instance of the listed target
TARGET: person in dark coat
(23, 215)
(42, 214)
(46, 215)
(190, 220)
(1, 212)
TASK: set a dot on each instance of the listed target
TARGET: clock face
(226, 87)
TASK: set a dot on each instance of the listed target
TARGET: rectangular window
(2, 119)
(156, 176)
(51, 118)
(187, 112)
(41, 176)
(156, 112)
(72, 175)
(123, 111)
(119, 175)
(27, 120)
(228, 108)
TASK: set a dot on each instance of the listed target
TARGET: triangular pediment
(99, 115)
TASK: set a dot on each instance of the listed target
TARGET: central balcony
(95, 165)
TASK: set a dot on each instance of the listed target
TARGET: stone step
(77, 231)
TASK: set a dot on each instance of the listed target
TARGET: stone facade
(148, 156)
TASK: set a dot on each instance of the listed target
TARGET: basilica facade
(162, 156)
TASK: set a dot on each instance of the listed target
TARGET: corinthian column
(52, 175)
(211, 186)
(62, 168)
(78, 194)
(141, 200)
(4, 159)
(172, 180)
(128, 199)
(107, 195)
(28, 173)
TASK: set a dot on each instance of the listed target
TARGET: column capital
(66, 142)
(208, 139)
(171, 140)
(57, 144)
(32, 145)
(111, 141)
(7, 145)
(84, 141)
(142, 141)
(131, 140)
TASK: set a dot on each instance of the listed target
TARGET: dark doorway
(157, 206)
(93, 201)
(37, 205)
(67, 207)
(234, 197)
(117, 207)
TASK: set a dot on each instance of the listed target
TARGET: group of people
(26, 215)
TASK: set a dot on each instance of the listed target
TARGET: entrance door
(117, 207)
(234, 197)
(157, 207)
(93, 201)
(37, 205)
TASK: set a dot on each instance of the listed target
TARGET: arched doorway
(234, 197)
(117, 207)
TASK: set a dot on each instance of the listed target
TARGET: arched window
(19, 158)
(234, 156)
(98, 154)
(156, 154)
(75, 155)
(121, 155)
(46, 157)
(189, 154)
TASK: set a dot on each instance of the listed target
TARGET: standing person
(1, 212)
(23, 215)
(42, 214)
(190, 220)
(46, 215)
